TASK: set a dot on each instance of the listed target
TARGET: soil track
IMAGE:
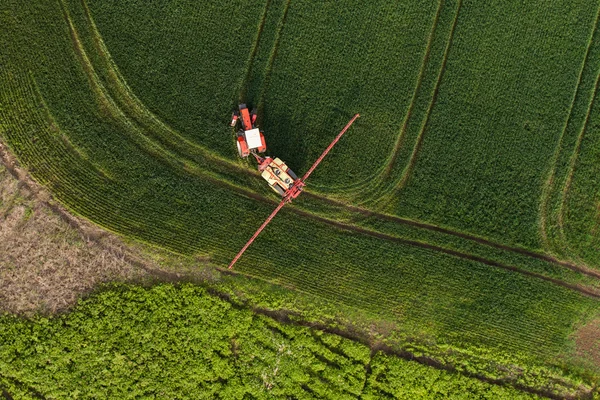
(477, 239)
(400, 138)
(550, 181)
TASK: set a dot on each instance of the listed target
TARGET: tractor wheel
(292, 174)
(279, 189)
(242, 149)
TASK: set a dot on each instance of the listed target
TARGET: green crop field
(183, 343)
(463, 207)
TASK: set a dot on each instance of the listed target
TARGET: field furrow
(559, 180)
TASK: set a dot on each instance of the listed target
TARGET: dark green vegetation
(172, 342)
(120, 108)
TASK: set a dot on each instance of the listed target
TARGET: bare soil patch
(46, 264)
(50, 258)
(587, 340)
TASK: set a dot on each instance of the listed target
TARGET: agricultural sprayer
(279, 176)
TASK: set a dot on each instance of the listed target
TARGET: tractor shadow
(290, 138)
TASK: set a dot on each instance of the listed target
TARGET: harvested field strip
(558, 181)
(141, 190)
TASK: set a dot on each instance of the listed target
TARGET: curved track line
(573, 161)
(377, 179)
(256, 196)
(413, 157)
(547, 189)
(399, 140)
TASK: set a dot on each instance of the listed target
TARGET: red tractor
(249, 139)
(281, 178)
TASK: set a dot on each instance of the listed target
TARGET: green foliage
(133, 136)
(400, 379)
(180, 342)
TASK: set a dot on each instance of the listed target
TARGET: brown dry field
(587, 341)
(50, 258)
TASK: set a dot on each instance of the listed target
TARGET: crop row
(101, 207)
(579, 128)
(497, 119)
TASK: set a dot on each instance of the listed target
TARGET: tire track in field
(356, 229)
(368, 232)
(381, 194)
(272, 56)
(413, 157)
(573, 161)
(254, 195)
(435, 228)
(370, 340)
(402, 134)
(377, 179)
(243, 89)
(550, 181)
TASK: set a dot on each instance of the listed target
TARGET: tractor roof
(253, 138)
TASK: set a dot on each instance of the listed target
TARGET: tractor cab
(249, 139)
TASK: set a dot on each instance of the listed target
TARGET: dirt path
(50, 258)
